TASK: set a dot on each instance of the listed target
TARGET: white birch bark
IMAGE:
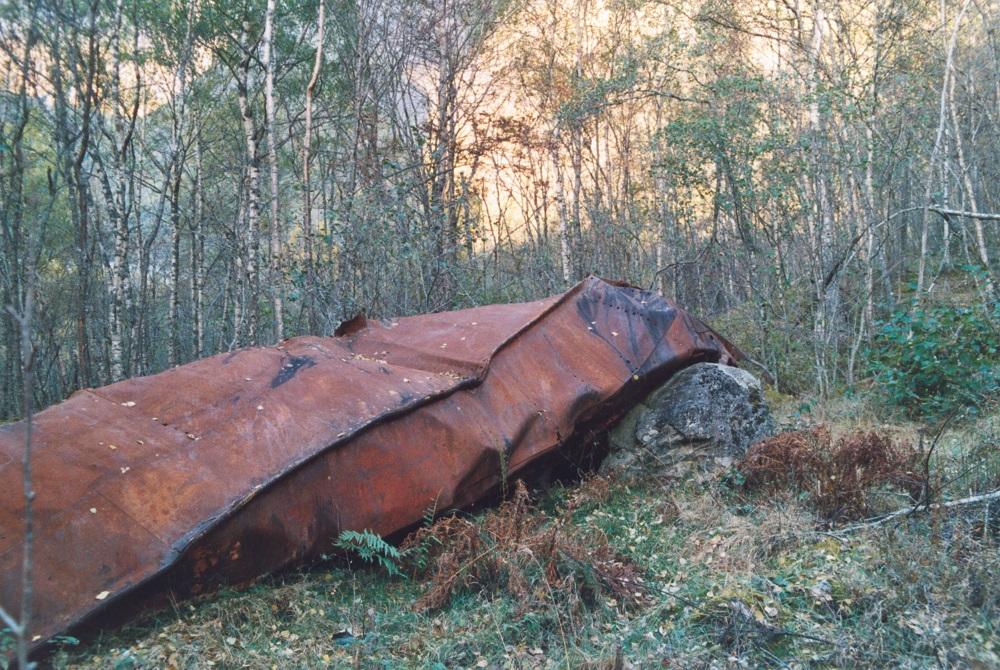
(936, 151)
(246, 295)
(967, 185)
(277, 280)
(307, 226)
(176, 161)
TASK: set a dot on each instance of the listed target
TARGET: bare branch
(948, 213)
(971, 500)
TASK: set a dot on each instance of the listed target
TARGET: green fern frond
(371, 548)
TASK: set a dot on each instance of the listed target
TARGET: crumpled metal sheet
(237, 465)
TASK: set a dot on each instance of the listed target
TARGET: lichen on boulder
(704, 418)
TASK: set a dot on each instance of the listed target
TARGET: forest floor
(650, 574)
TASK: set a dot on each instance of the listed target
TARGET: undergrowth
(537, 561)
(643, 574)
(838, 476)
(938, 359)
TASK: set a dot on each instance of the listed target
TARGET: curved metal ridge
(237, 465)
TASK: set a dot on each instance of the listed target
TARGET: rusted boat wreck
(241, 464)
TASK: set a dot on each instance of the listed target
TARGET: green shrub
(937, 359)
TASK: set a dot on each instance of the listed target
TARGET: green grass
(731, 582)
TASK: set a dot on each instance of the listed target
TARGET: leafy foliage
(939, 359)
(369, 547)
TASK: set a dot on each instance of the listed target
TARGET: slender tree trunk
(80, 192)
(175, 270)
(442, 160)
(970, 191)
(576, 140)
(307, 226)
(198, 256)
(565, 248)
(115, 190)
(277, 270)
(21, 627)
(15, 264)
(247, 295)
(936, 151)
(576, 232)
(176, 175)
(870, 214)
(826, 286)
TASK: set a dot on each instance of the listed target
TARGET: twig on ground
(878, 521)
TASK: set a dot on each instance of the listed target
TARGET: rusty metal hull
(241, 464)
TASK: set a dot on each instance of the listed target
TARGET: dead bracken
(518, 550)
(838, 475)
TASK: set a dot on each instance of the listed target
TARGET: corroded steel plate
(237, 465)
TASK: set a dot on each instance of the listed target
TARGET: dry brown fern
(524, 553)
(839, 476)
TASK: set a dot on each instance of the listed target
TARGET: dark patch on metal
(288, 370)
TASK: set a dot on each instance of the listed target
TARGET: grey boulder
(702, 419)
